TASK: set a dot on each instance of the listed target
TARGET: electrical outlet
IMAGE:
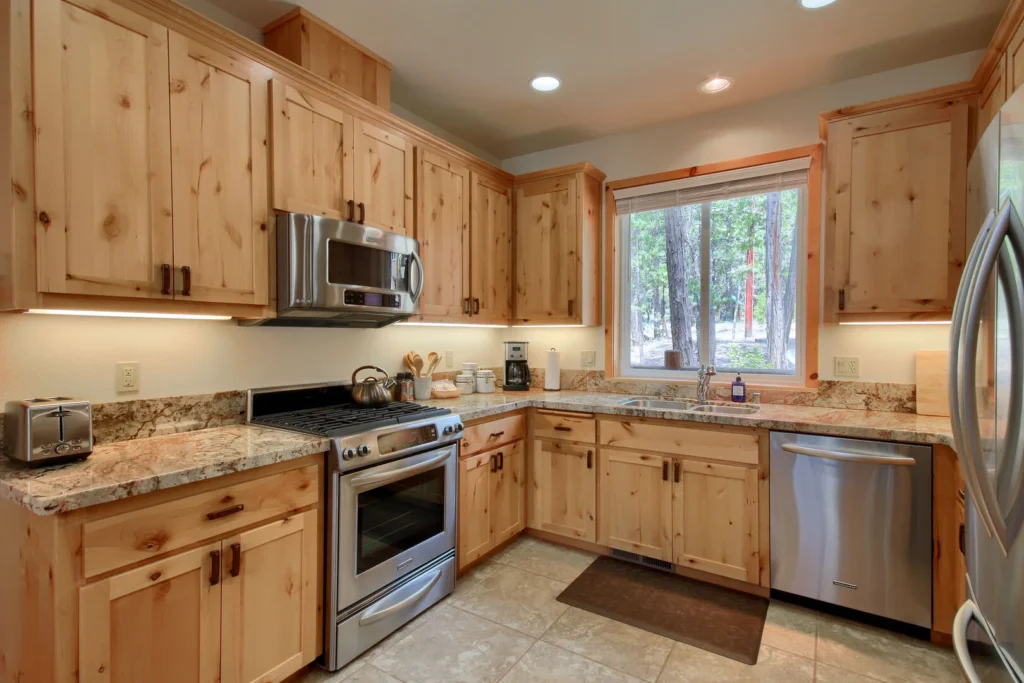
(449, 359)
(588, 359)
(847, 366)
(126, 377)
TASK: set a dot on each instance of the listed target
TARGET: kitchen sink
(724, 410)
(658, 404)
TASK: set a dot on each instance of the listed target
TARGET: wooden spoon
(408, 360)
(432, 360)
(417, 363)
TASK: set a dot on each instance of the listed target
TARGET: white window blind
(776, 177)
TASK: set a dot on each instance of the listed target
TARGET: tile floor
(503, 623)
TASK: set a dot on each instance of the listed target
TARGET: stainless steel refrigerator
(986, 404)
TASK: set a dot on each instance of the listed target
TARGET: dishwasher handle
(843, 456)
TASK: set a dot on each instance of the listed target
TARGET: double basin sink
(689, 406)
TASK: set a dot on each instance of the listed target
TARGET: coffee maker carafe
(517, 367)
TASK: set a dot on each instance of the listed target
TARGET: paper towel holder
(552, 371)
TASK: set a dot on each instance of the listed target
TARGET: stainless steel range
(391, 495)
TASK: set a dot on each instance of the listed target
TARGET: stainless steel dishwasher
(851, 524)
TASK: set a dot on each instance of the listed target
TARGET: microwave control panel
(375, 299)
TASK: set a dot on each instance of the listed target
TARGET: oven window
(398, 516)
(353, 264)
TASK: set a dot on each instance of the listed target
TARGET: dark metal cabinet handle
(963, 540)
(362, 213)
(590, 460)
(664, 470)
(501, 460)
(560, 428)
(497, 435)
(476, 306)
(677, 468)
(842, 299)
(215, 568)
(236, 559)
(226, 512)
(465, 306)
(165, 277)
(351, 210)
(494, 464)
(186, 281)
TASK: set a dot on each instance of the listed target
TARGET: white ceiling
(465, 65)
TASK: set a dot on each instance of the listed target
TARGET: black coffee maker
(517, 367)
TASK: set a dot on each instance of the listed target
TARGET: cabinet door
(636, 503)
(995, 92)
(897, 195)
(490, 260)
(442, 229)
(508, 493)
(563, 489)
(383, 178)
(547, 251)
(159, 623)
(475, 507)
(270, 600)
(311, 146)
(715, 515)
(102, 150)
(219, 166)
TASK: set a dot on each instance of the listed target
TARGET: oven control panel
(392, 442)
(375, 299)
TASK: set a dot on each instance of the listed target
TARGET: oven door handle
(369, 481)
(377, 615)
(422, 274)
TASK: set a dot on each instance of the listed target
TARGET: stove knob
(348, 454)
(447, 430)
(458, 427)
(363, 450)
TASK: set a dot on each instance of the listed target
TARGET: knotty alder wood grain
(994, 93)
(508, 493)
(949, 571)
(384, 178)
(564, 426)
(219, 166)
(635, 500)
(490, 243)
(492, 433)
(715, 442)
(102, 149)
(474, 508)
(492, 500)
(562, 492)
(442, 229)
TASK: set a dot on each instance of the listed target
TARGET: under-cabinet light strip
(128, 314)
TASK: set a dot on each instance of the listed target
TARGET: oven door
(357, 267)
(393, 519)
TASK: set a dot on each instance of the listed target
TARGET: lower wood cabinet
(563, 489)
(492, 500)
(636, 503)
(240, 610)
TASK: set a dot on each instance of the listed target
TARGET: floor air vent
(640, 559)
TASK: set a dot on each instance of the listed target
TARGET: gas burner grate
(340, 420)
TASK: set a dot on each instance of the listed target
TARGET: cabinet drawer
(738, 447)
(491, 434)
(131, 537)
(565, 426)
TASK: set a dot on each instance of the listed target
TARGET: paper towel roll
(552, 372)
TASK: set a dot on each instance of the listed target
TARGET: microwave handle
(419, 288)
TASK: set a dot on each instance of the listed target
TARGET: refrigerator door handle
(967, 613)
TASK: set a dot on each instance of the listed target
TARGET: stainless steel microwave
(333, 273)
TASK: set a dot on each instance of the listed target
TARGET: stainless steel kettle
(372, 391)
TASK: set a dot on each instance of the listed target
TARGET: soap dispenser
(739, 390)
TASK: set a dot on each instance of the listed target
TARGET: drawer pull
(590, 460)
(560, 428)
(236, 559)
(215, 567)
(226, 512)
(498, 435)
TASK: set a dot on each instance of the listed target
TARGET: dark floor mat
(720, 620)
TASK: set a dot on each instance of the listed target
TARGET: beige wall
(886, 352)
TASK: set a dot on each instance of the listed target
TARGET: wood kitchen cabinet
(563, 489)
(490, 248)
(995, 92)
(557, 246)
(636, 503)
(383, 178)
(895, 239)
(442, 229)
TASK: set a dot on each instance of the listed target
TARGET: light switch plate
(449, 359)
(126, 378)
(588, 359)
(847, 366)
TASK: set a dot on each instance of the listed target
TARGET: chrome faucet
(704, 376)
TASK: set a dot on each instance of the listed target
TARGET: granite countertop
(130, 468)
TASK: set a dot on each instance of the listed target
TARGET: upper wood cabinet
(102, 150)
(383, 177)
(557, 246)
(490, 244)
(121, 211)
(995, 92)
(442, 229)
(896, 219)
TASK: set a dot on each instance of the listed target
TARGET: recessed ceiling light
(545, 83)
(815, 4)
(716, 84)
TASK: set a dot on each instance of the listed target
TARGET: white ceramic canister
(485, 381)
(465, 383)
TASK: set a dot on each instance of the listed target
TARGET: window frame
(617, 361)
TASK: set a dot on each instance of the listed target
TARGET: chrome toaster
(47, 430)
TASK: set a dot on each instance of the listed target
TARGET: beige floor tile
(829, 674)
(317, 675)
(453, 646)
(548, 559)
(883, 655)
(371, 674)
(514, 598)
(626, 648)
(790, 628)
(691, 665)
(549, 664)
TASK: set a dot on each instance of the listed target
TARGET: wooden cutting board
(933, 383)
